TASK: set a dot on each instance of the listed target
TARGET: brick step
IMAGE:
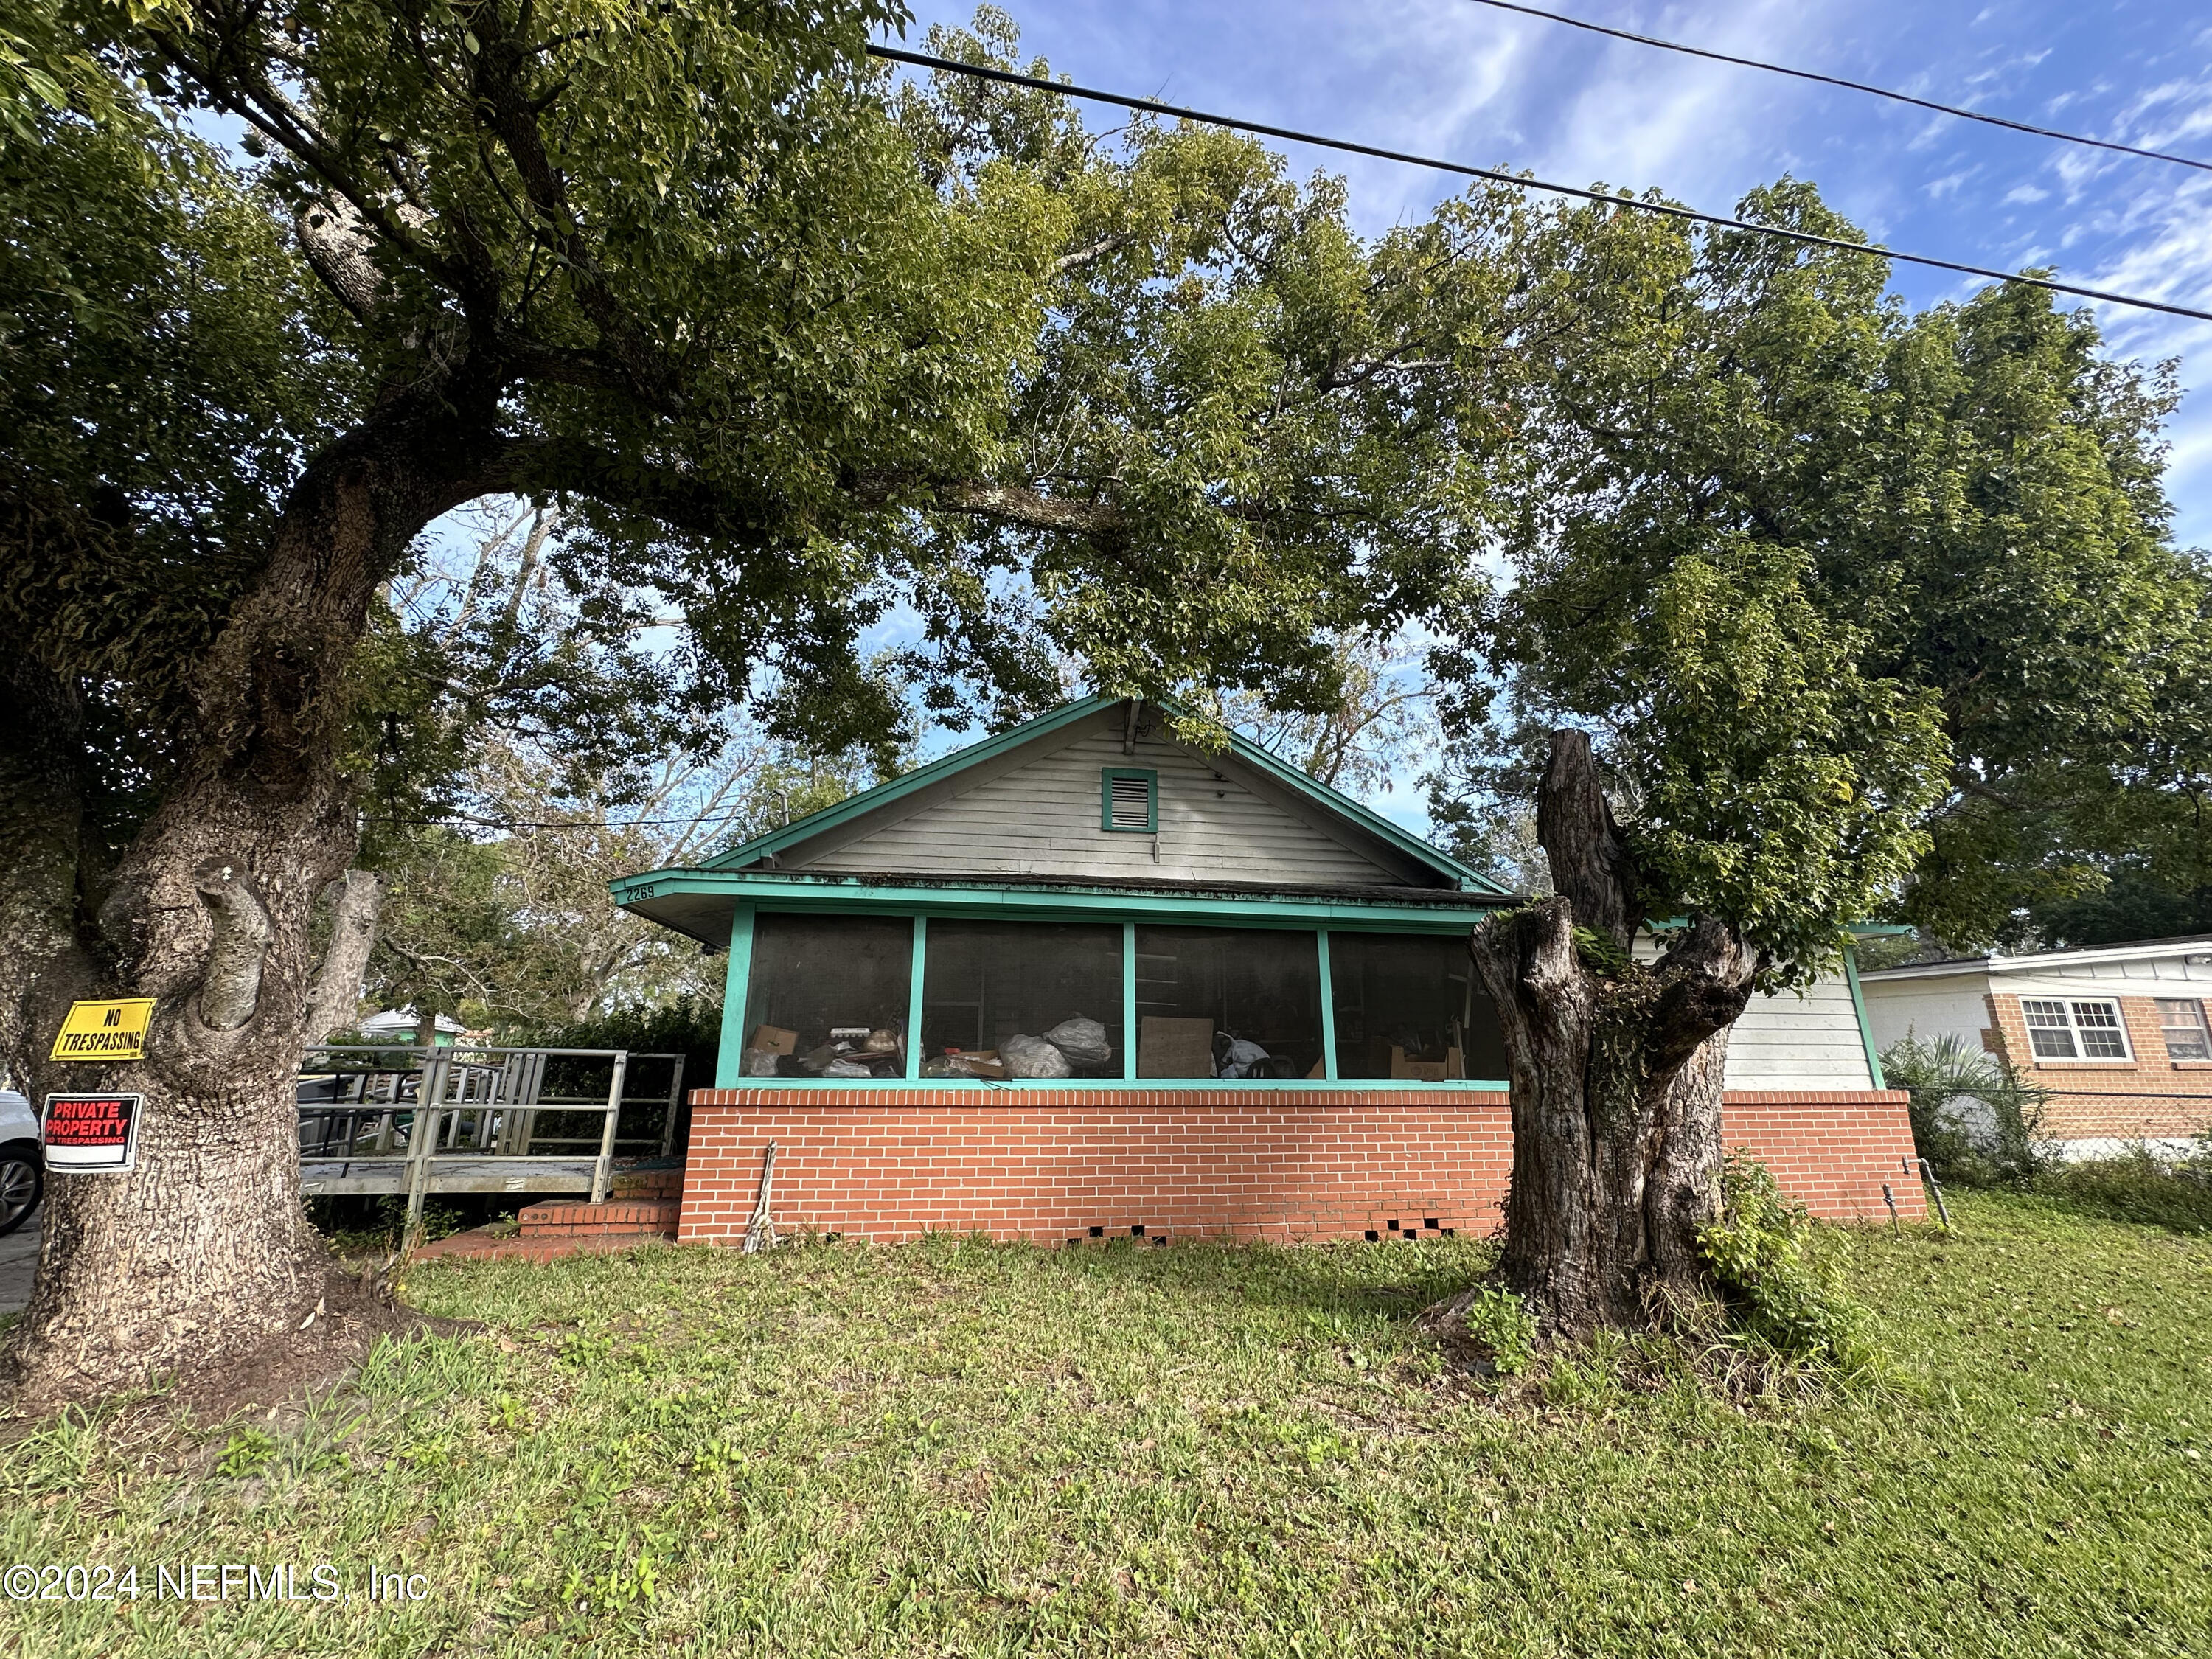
(569, 1218)
(648, 1183)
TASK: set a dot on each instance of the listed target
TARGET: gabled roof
(1369, 822)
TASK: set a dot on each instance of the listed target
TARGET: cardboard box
(1170, 1046)
(1415, 1071)
(775, 1039)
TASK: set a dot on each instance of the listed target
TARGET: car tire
(22, 1181)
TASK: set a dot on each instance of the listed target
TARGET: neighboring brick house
(2117, 1033)
(1084, 980)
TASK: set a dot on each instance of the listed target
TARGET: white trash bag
(1032, 1056)
(1083, 1041)
(1244, 1059)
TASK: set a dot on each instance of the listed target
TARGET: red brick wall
(1051, 1165)
(2145, 1098)
(1831, 1151)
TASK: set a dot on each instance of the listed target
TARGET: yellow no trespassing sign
(104, 1031)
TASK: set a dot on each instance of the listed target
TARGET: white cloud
(2186, 111)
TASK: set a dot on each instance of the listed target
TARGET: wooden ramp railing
(471, 1119)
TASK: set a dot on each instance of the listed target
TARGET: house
(1083, 980)
(2117, 1033)
(404, 1025)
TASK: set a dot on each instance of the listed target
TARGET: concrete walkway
(19, 1263)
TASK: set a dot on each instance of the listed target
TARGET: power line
(1849, 85)
(470, 821)
(1665, 210)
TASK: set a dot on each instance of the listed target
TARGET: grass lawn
(961, 1448)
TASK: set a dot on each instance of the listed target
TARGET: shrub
(1785, 1295)
(1495, 1319)
(1939, 1074)
(689, 1026)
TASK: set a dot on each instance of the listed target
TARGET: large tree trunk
(203, 1256)
(1616, 1075)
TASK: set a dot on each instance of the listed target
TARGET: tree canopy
(1876, 612)
(1848, 597)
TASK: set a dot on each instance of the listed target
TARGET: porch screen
(1227, 1002)
(992, 991)
(827, 996)
(1407, 1006)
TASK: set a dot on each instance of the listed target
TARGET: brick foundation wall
(1831, 1151)
(1053, 1165)
(575, 1216)
(2149, 1098)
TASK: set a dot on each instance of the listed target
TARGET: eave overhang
(701, 903)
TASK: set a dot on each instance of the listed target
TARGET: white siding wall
(1928, 1008)
(1041, 819)
(1942, 1005)
(1789, 1042)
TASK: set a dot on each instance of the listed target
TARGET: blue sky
(1459, 80)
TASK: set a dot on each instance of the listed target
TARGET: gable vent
(1129, 801)
(1133, 802)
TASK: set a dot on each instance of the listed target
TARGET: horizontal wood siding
(1042, 819)
(1789, 1042)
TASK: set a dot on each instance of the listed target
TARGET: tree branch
(1084, 256)
(1009, 503)
(679, 498)
(337, 245)
(1591, 865)
(512, 114)
(230, 989)
(1967, 783)
(337, 993)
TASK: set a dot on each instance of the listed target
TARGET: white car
(22, 1167)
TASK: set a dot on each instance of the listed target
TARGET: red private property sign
(92, 1135)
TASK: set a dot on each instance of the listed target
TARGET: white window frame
(2167, 1027)
(2076, 1025)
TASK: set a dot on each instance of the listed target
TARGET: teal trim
(1106, 776)
(798, 891)
(920, 778)
(1328, 1008)
(1129, 1002)
(913, 998)
(729, 1058)
(1858, 1007)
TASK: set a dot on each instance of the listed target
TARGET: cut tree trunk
(203, 1255)
(1616, 1075)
